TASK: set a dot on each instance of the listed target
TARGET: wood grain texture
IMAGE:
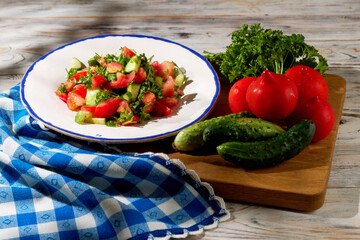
(29, 29)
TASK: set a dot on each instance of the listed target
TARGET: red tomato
(62, 96)
(127, 52)
(166, 69)
(78, 75)
(272, 96)
(113, 67)
(237, 95)
(168, 87)
(69, 85)
(160, 110)
(169, 101)
(88, 108)
(122, 80)
(180, 92)
(107, 108)
(81, 90)
(148, 101)
(74, 101)
(156, 66)
(124, 107)
(97, 81)
(319, 111)
(310, 83)
(140, 76)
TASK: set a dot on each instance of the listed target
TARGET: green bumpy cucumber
(241, 129)
(191, 138)
(263, 154)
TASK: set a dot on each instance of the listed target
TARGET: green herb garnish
(70, 73)
(104, 95)
(62, 89)
(254, 49)
(86, 80)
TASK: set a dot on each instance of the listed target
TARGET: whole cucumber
(241, 129)
(262, 154)
(191, 138)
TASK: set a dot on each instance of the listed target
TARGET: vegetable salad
(119, 90)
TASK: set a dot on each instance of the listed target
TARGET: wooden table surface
(28, 30)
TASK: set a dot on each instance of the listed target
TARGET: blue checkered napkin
(53, 188)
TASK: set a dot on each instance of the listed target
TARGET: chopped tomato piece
(140, 76)
(78, 75)
(69, 85)
(124, 107)
(166, 69)
(168, 87)
(114, 67)
(160, 110)
(156, 66)
(127, 52)
(62, 96)
(88, 108)
(122, 80)
(169, 101)
(102, 61)
(148, 101)
(81, 90)
(97, 81)
(74, 101)
(107, 108)
(180, 92)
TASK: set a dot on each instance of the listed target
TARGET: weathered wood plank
(177, 8)
(41, 36)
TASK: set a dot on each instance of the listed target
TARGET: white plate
(45, 75)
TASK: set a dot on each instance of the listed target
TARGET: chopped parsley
(86, 80)
(62, 89)
(71, 73)
(104, 95)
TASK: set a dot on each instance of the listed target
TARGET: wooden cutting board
(299, 183)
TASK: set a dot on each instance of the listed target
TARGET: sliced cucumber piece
(82, 116)
(127, 96)
(77, 64)
(133, 89)
(90, 98)
(179, 80)
(101, 121)
(133, 64)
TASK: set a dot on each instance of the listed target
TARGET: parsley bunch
(254, 49)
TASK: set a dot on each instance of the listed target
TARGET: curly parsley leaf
(86, 80)
(70, 73)
(254, 49)
(62, 89)
(102, 95)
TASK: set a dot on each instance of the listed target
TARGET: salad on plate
(120, 90)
